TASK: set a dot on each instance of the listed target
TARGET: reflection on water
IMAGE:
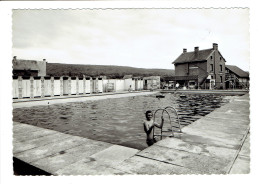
(117, 120)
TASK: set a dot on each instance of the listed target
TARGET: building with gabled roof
(237, 71)
(200, 68)
(236, 77)
(22, 67)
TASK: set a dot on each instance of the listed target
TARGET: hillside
(58, 69)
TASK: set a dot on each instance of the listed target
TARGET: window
(211, 57)
(220, 58)
(211, 67)
(221, 79)
(220, 68)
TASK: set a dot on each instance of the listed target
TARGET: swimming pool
(117, 120)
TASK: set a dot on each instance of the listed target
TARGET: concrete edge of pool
(19, 103)
(17, 100)
(202, 91)
(208, 146)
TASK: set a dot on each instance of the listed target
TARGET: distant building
(200, 68)
(236, 77)
(151, 82)
(29, 67)
(102, 77)
(128, 77)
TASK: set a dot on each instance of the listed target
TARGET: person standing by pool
(130, 89)
(177, 86)
(149, 126)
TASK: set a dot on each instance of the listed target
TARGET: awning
(176, 78)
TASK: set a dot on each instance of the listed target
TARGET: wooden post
(31, 87)
(61, 86)
(20, 87)
(42, 87)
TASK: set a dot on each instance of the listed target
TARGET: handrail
(163, 111)
(177, 116)
(154, 119)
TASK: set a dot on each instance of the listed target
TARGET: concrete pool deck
(215, 144)
(29, 102)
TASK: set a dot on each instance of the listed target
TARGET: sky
(143, 38)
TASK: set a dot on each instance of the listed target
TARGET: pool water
(118, 120)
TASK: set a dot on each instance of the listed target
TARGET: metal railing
(173, 119)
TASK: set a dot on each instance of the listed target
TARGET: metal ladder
(171, 120)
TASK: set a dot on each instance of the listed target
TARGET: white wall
(100, 86)
(105, 83)
(133, 84)
(80, 83)
(128, 83)
(26, 88)
(141, 84)
(120, 85)
(57, 87)
(47, 87)
(37, 88)
(15, 88)
(73, 86)
(87, 86)
(66, 87)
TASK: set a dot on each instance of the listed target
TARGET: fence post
(42, 87)
(69, 86)
(61, 86)
(52, 86)
(77, 85)
(31, 87)
(20, 87)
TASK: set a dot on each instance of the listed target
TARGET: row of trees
(116, 72)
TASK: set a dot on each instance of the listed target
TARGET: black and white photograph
(130, 91)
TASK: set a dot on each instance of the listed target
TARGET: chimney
(196, 49)
(215, 46)
(44, 59)
(184, 50)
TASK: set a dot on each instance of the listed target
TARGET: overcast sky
(144, 38)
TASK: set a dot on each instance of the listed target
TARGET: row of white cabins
(39, 85)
